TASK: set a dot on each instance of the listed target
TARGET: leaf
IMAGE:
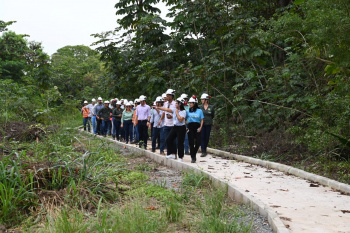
(344, 141)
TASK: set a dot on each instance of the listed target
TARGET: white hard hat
(180, 100)
(163, 95)
(132, 103)
(137, 101)
(99, 98)
(154, 103)
(112, 100)
(106, 102)
(142, 98)
(127, 104)
(93, 100)
(125, 100)
(85, 102)
(170, 92)
(193, 99)
(184, 96)
(159, 99)
(119, 103)
(116, 99)
(204, 96)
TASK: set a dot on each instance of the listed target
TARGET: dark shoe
(193, 161)
(187, 153)
(162, 153)
(153, 151)
(204, 154)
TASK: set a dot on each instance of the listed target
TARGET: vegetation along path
(303, 206)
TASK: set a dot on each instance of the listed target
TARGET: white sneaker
(170, 156)
(180, 160)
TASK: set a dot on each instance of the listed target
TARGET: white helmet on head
(159, 99)
(116, 99)
(93, 100)
(106, 102)
(181, 100)
(193, 99)
(99, 98)
(142, 98)
(127, 104)
(85, 102)
(137, 101)
(125, 101)
(163, 95)
(132, 103)
(205, 96)
(119, 103)
(184, 96)
(112, 100)
(170, 92)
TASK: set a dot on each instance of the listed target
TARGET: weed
(173, 210)
(193, 179)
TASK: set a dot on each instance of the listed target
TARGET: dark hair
(194, 108)
(182, 107)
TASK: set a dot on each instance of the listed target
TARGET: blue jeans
(94, 129)
(162, 139)
(128, 125)
(137, 135)
(105, 127)
(167, 130)
(116, 128)
(86, 120)
(109, 129)
(205, 137)
(186, 144)
(155, 133)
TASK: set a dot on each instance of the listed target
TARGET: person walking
(157, 125)
(92, 115)
(143, 117)
(117, 118)
(104, 114)
(86, 112)
(136, 130)
(168, 119)
(97, 108)
(185, 97)
(209, 113)
(126, 123)
(195, 119)
(178, 131)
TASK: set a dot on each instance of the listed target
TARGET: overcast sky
(57, 23)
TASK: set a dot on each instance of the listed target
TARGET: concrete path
(302, 205)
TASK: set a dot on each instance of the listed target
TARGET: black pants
(99, 124)
(178, 132)
(143, 132)
(194, 139)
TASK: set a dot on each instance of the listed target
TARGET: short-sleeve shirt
(182, 114)
(172, 106)
(194, 117)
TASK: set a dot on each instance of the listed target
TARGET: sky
(58, 23)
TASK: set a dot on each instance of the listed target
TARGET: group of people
(180, 126)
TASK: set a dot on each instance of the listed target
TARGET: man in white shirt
(168, 117)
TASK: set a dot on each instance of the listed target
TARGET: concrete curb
(345, 188)
(234, 192)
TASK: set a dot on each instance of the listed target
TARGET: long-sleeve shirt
(155, 118)
(116, 114)
(208, 114)
(127, 115)
(105, 113)
(143, 112)
(97, 108)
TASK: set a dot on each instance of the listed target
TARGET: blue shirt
(182, 114)
(194, 117)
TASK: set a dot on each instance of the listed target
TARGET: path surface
(301, 206)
